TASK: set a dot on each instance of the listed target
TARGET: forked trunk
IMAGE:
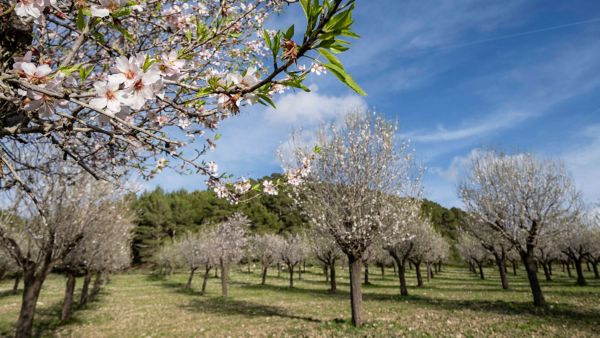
(419, 276)
(355, 290)
(534, 283)
(85, 289)
(67, 309)
(401, 274)
(546, 272)
(580, 277)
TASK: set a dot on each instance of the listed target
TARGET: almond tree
(473, 253)
(106, 82)
(497, 247)
(423, 248)
(520, 197)
(575, 242)
(545, 253)
(52, 230)
(327, 252)
(266, 249)
(292, 251)
(10, 269)
(357, 167)
(190, 252)
(104, 247)
(229, 242)
(399, 240)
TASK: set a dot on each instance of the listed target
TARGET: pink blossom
(108, 96)
(269, 188)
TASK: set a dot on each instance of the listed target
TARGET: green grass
(455, 303)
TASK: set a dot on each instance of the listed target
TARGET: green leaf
(84, 73)
(266, 100)
(331, 58)
(123, 11)
(289, 34)
(256, 187)
(267, 38)
(80, 21)
(341, 74)
(217, 136)
(317, 149)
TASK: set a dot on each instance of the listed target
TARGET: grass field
(455, 303)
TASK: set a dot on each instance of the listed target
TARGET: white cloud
(310, 108)
(584, 162)
(491, 124)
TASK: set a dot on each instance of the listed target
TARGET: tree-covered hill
(162, 216)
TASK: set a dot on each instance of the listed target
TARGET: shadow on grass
(10, 293)
(557, 312)
(297, 290)
(226, 307)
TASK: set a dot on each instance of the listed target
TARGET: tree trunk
(31, 292)
(367, 274)
(587, 264)
(84, 289)
(501, 263)
(205, 279)
(401, 274)
(481, 275)
(419, 277)
(96, 287)
(355, 290)
(382, 271)
(67, 309)
(514, 266)
(595, 268)
(333, 285)
(550, 268)
(546, 272)
(278, 270)
(569, 269)
(189, 282)
(224, 281)
(326, 273)
(299, 272)
(428, 272)
(16, 284)
(580, 277)
(263, 280)
(394, 267)
(534, 283)
(291, 270)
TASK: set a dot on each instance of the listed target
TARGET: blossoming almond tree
(229, 242)
(358, 166)
(115, 84)
(521, 198)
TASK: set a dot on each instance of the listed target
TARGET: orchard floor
(455, 303)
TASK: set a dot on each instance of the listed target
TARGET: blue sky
(458, 76)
